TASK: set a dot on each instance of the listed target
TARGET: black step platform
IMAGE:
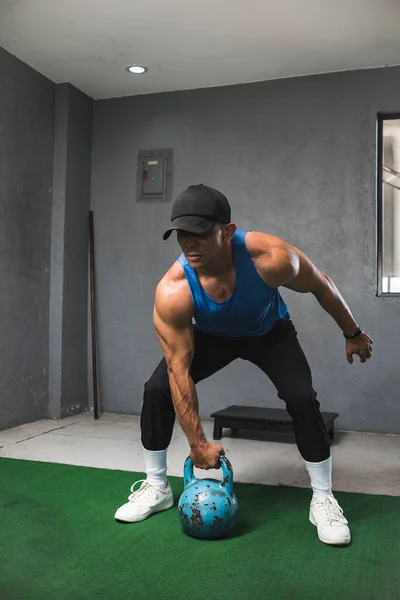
(261, 419)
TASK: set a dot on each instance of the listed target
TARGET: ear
(228, 231)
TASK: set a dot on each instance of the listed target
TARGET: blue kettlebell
(208, 509)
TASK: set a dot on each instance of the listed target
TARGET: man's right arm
(173, 324)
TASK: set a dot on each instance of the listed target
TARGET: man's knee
(300, 399)
(157, 388)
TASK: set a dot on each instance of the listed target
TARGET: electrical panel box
(154, 176)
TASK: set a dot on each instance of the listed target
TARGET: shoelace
(331, 509)
(141, 490)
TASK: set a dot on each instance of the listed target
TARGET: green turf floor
(59, 541)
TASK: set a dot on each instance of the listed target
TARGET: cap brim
(195, 225)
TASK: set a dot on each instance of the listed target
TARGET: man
(218, 302)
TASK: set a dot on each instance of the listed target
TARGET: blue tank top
(253, 308)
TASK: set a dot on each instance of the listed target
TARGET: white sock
(156, 467)
(321, 477)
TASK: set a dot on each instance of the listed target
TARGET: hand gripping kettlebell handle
(227, 481)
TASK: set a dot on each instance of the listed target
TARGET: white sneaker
(327, 516)
(144, 501)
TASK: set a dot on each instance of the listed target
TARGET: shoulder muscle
(276, 261)
(173, 301)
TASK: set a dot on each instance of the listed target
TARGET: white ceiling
(196, 43)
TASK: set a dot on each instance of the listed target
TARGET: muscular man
(218, 302)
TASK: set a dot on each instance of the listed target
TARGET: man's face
(201, 250)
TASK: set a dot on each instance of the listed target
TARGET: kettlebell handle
(227, 481)
(188, 474)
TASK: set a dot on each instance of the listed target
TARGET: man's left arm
(296, 272)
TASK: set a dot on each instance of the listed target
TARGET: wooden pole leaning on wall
(93, 314)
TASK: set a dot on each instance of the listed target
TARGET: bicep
(282, 264)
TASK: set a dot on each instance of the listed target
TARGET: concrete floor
(365, 463)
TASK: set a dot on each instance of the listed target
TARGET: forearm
(333, 303)
(186, 404)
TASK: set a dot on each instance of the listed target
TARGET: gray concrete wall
(69, 256)
(76, 245)
(26, 165)
(43, 244)
(61, 110)
(297, 159)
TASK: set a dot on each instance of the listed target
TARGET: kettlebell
(208, 509)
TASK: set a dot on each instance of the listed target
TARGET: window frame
(379, 195)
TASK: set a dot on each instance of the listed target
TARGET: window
(388, 205)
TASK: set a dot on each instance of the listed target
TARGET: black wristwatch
(352, 336)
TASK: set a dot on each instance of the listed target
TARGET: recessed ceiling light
(137, 69)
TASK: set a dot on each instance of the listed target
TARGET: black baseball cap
(197, 209)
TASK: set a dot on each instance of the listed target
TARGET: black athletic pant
(277, 353)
